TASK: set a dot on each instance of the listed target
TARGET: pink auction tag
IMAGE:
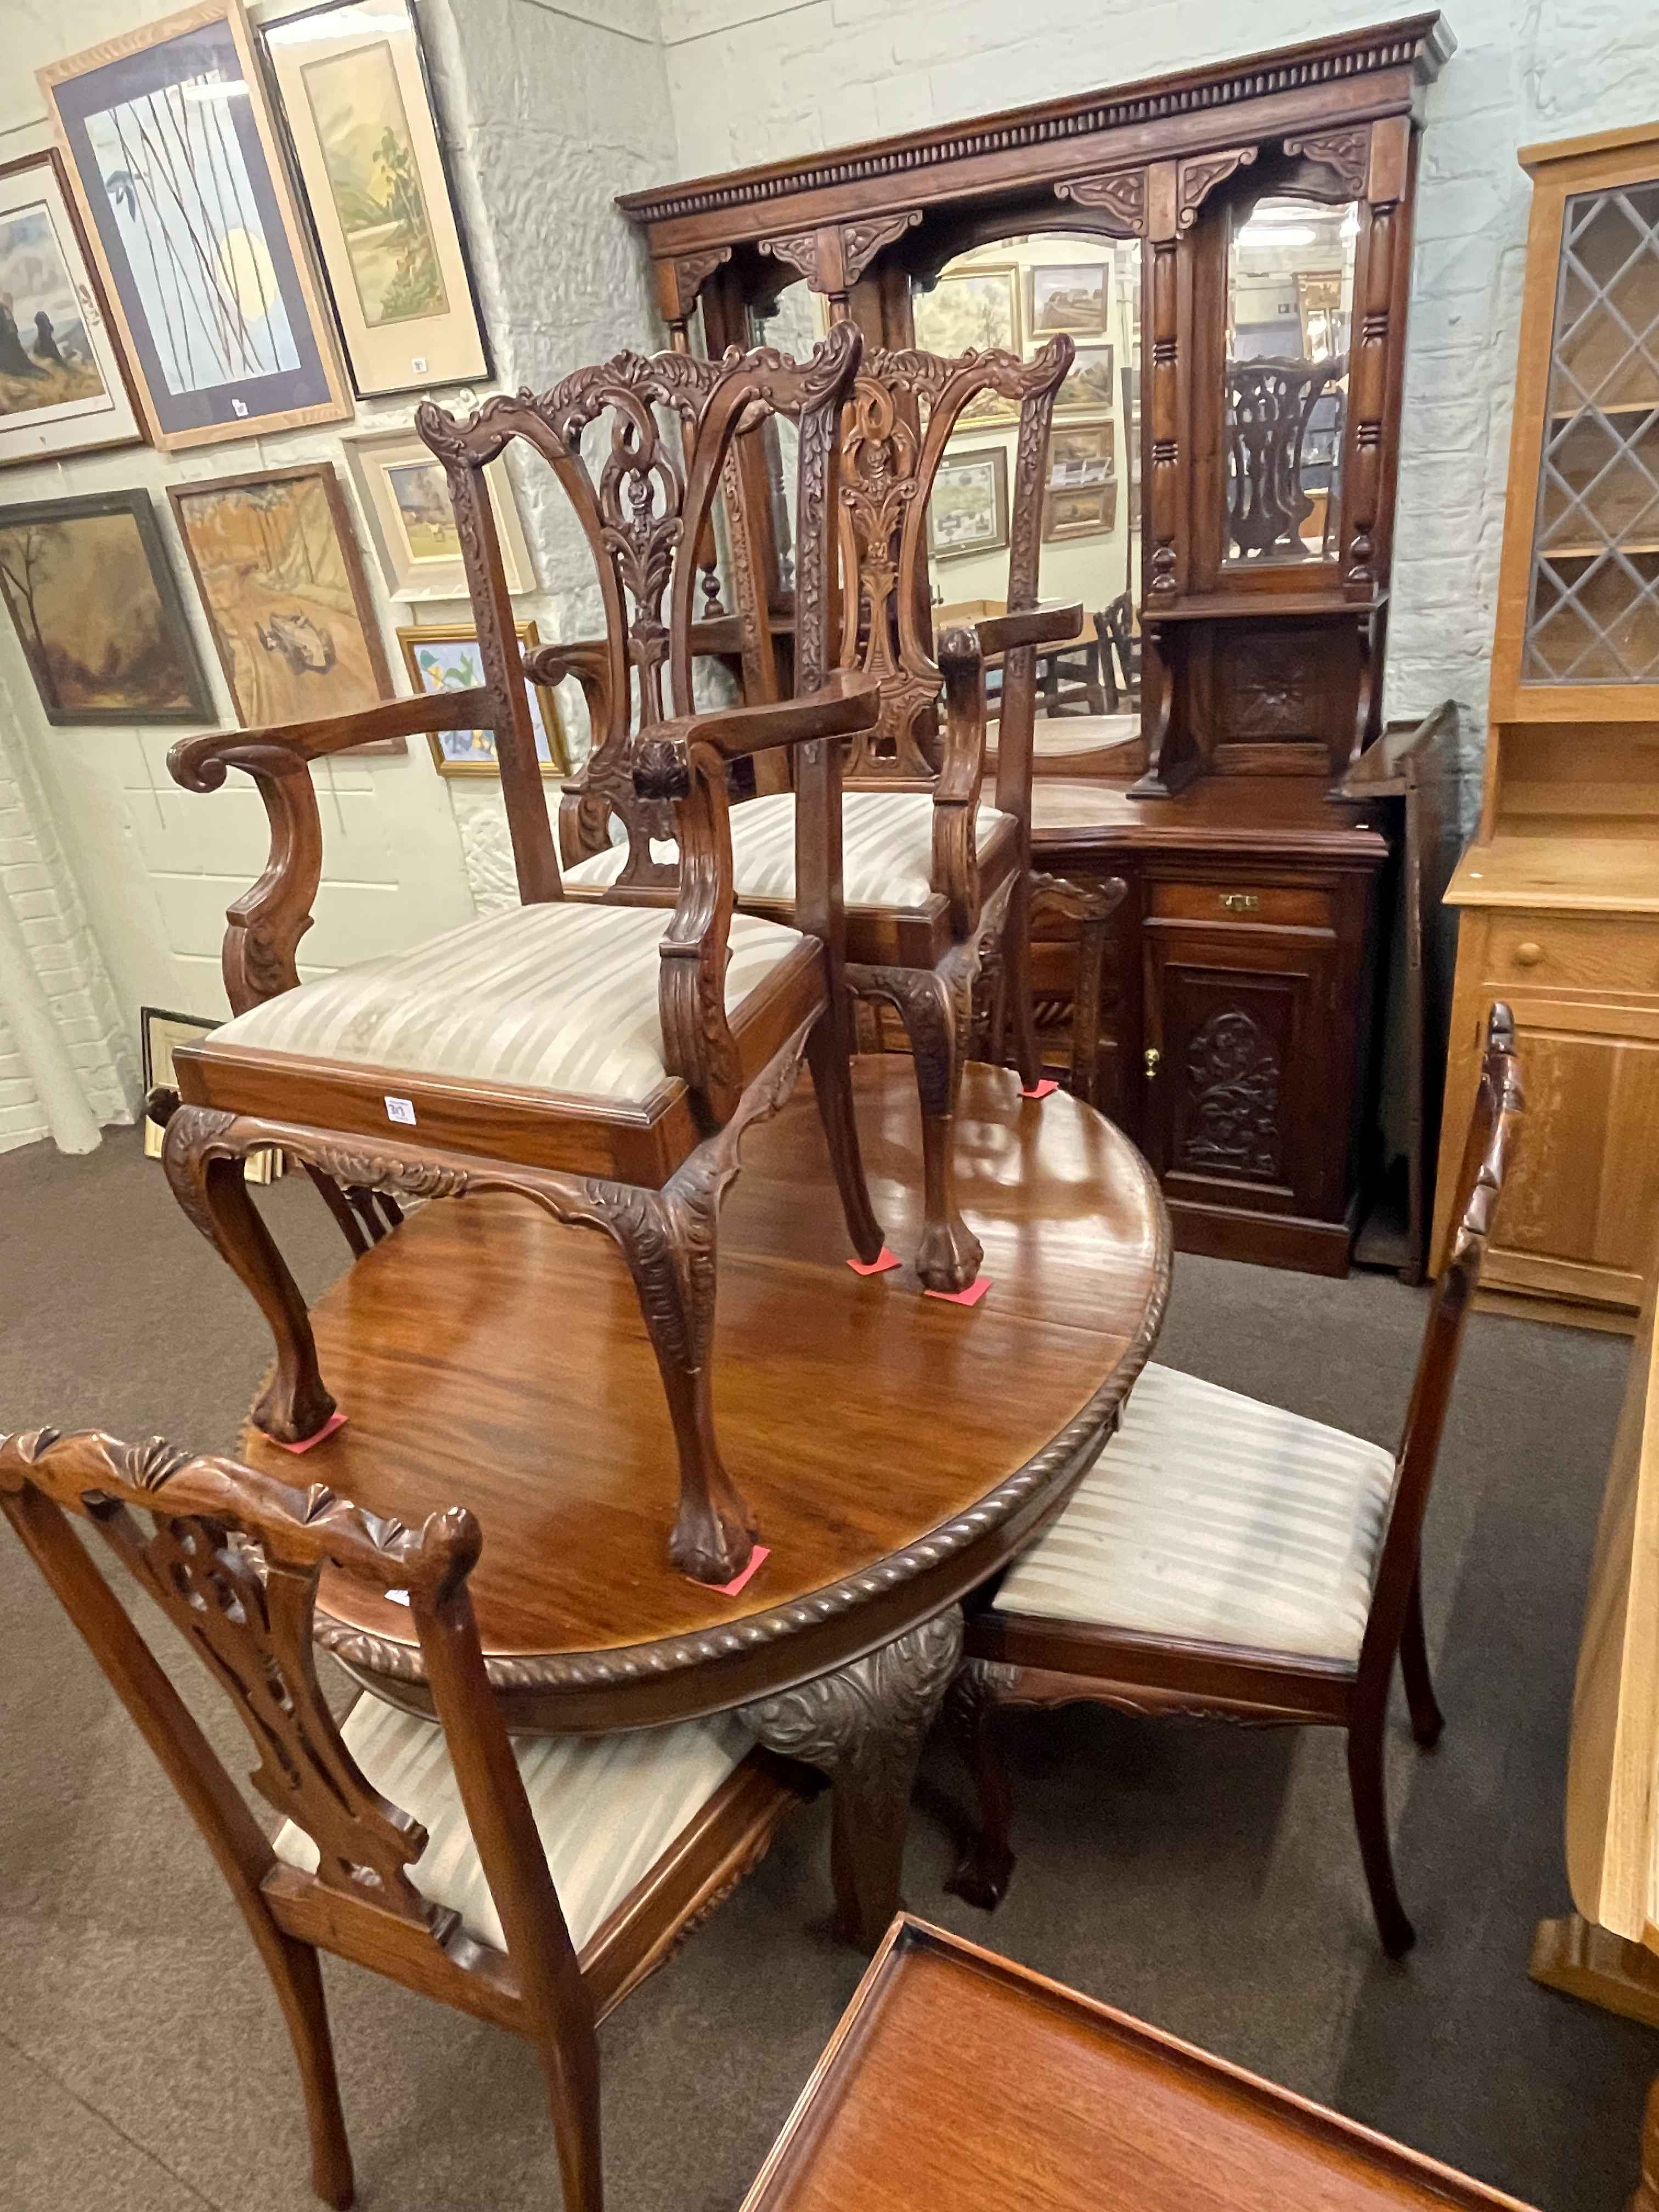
(757, 1559)
(971, 1297)
(1041, 1090)
(876, 1267)
(336, 1421)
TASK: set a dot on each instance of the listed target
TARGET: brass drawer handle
(1240, 902)
(1529, 953)
(1152, 1056)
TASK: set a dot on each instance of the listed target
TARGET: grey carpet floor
(1204, 1878)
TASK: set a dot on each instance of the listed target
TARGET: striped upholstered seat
(605, 1810)
(1212, 1517)
(554, 997)
(887, 848)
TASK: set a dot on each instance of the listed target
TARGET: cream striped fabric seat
(606, 1808)
(1215, 1518)
(887, 848)
(557, 997)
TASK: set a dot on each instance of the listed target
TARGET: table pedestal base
(863, 1726)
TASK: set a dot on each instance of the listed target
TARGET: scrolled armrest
(1050, 625)
(199, 763)
(845, 702)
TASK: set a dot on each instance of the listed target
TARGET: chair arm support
(956, 793)
(847, 701)
(1050, 625)
(264, 926)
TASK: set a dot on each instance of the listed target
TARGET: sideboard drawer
(1226, 901)
(1573, 952)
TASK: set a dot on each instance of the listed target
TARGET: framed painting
(1089, 512)
(161, 1032)
(63, 386)
(972, 308)
(405, 496)
(173, 161)
(1081, 453)
(445, 660)
(351, 81)
(969, 511)
(1090, 387)
(1074, 296)
(99, 613)
(287, 600)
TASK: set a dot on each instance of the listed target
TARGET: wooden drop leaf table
(896, 1449)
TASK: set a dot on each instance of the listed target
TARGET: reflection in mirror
(1016, 293)
(793, 322)
(1290, 301)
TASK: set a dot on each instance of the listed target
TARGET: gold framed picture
(1089, 512)
(352, 83)
(973, 308)
(1089, 388)
(159, 1032)
(173, 161)
(405, 497)
(445, 659)
(1074, 296)
(969, 510)
(1081, 453)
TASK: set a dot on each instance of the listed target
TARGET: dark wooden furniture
(232, 1558)
(896, 1448)
(1279, 1588)
(936, 881)
(958, 2080)
(1120, 653)
(603, 1064)
(1260, 668)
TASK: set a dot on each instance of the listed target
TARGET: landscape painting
(451, 660)
(420, 492)
(61, 389)
(285, 595)
(1088, 389)
(405, 496)
(972, 310)
(97, 612)
(363, 131)
(1073, 295)
(969, 510)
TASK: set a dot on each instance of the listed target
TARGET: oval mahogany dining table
(896, 1449)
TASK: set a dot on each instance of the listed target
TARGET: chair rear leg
(948, 1256)
(827, 1051)
(572, 2097)
(204, 1155)
(1427, 1719)
(1370, 1813)
(982, 1876)
(297, 1976)
(1016, 968)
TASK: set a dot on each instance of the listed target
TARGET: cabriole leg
(976, 1695)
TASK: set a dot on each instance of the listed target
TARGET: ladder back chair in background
(935, 876)
(1224, 1559)
(604, 1063)
(430, 1851)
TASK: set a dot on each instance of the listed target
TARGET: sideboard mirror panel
(1289, 309)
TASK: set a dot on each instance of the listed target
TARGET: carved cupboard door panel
(1239, 1025)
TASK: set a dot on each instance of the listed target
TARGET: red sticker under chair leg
(971, 1297)
(334, 1421)
(757, 1559)
(876, 1267)
(1041, 1090)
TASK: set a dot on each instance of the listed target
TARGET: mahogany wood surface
(894, 1449)
(958, 2081)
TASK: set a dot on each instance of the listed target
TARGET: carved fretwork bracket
(679, 282)
(835, 255)
(1121, 194)
(1345, 153)
(1201, 175)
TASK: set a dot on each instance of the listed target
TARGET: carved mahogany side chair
(1270, 408)
(604, 1063)
(531, 1884)
(1223, 1559)
(934, 875)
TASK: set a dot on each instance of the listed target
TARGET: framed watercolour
(1071, 295)
(445, 660)
(972, 308)
(351, 80)
(63, 386)
(159, 1032)
(96, 606)
(287, 599)
(405, 496)
(1089, 512)
(969, 511)
(1090, 387)
(173, 161)
(1083, 453)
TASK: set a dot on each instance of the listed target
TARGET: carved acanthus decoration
(1345, 153)
(1233, 1078)
(1201, 175)
(799, 251)
(687, 275)
(866, 1722)
(861, 241)
(1120, 193)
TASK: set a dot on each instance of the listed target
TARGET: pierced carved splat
(1233, 1075)
(1270, 406)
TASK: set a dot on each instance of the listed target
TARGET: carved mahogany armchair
(531, 1885)
(1225, 1560)
(934, 876)
(604, 1063)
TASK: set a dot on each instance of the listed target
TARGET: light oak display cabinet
(1560, 893)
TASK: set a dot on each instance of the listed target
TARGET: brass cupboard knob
(1152, 1056)
(1528, 952)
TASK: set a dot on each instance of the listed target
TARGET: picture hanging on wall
(98, 609)
(1089, 388)
(1082, 453)
(63, 386)
(1071, 295)
(405, 496)
(969, 510)
(161, 1032)
(173, 161)
(351, 79)
(288, 602)
(972, 309)
(1088, 513)
(444, 659)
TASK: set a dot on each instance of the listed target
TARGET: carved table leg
(863, 1726)
(204, 1155)
(948, 1256)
